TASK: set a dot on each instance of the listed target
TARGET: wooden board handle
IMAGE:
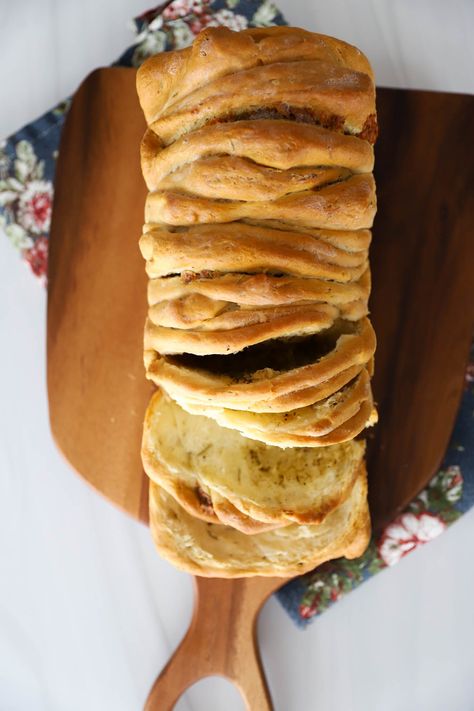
(221, 640)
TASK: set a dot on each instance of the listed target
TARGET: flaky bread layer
(241, 247)
(346, 205)
(168, 77)
(314, 420)
(197, 294)
(263, 482)
(309, 90)
(268, 390)
(277, 144)
(214, 551)
(234, 178)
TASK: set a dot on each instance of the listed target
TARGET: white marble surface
(88, 612)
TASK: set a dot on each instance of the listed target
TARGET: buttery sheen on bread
(221, 551)
(268, 483)
(258, 158)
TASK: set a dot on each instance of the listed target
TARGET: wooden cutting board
(422, 309)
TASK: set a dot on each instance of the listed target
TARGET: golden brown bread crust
(350, 241)
(201, 297)
(317, 91)
(258, 159)
(246, 248)
(199, 314)
(365, 417)
(234, 178)
(278, 144)
(233, 331)
(305, 396)
(230, 515)
(165, 79)
(348, 204)
(252, 290)
(203, 317)
(262, 391)
(285, 307)
(316, 420)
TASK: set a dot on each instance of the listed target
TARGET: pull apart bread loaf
(258, 159)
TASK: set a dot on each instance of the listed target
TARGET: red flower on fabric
(37, 257)
(181, 8)
(407, 532)
(199, 23)
(307, 611)
(35, 207)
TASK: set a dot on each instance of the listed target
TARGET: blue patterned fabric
(449, 494)
(28, 158)
(27, 168)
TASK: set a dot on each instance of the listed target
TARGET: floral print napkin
(449, 494)
(27, 167)
(28, 158)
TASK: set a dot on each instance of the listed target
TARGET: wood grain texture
(221, 639)
(97, 292)
(422, 304)
(422, 309)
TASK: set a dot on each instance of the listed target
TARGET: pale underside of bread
(277, 144)
(219, 551)
(266, 483)
(278, 404)
(267, 389)
(218, 52)
(314, 420)
(200, 501)
(347, 204)
(366, 416)
(240, 247)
